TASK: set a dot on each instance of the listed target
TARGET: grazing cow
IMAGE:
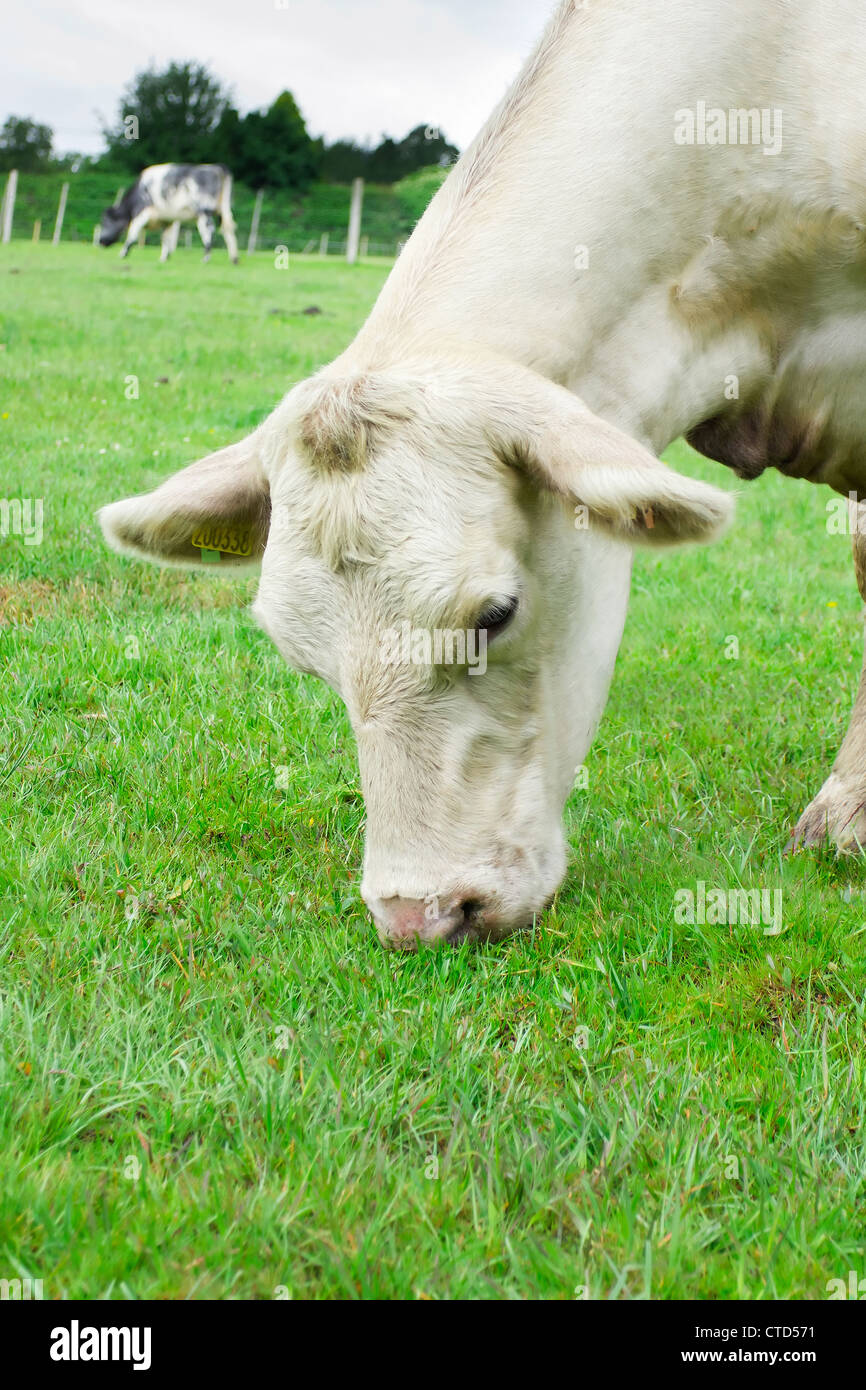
(660, 231)
(171, 194)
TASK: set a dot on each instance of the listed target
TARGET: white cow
(659, 231)
(163, 196)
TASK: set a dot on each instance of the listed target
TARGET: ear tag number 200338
(214, 541)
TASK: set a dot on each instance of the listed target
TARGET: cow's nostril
(465, 928)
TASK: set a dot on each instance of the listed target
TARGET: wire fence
(314, 222)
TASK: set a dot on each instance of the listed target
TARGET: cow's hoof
(837, 816)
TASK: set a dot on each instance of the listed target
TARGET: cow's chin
(485, 905)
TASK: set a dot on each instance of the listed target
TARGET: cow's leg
(227, 224)
(169, 240)
(838, 812)
(134, 231)
(206, 224)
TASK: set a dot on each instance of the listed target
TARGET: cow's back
(183, 192)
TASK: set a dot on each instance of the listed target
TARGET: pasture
(215, 1084)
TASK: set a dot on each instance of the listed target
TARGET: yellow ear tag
(214, 541)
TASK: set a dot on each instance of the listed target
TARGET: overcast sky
(356, 67)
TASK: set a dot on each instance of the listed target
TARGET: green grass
(214, 1082)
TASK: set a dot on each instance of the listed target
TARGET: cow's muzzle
(405, 923)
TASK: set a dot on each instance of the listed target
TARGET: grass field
(214, 1082)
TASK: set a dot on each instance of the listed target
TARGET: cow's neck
(577, 237)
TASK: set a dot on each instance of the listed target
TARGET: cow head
(113, 225)
(449, 547)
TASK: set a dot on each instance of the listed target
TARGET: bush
(417, 191)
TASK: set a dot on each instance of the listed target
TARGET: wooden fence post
(355, 221)
(61, 212)
(9, 204)
(254, 225)
(323, 244)
(37, 229)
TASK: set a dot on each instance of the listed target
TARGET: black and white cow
(164, 195)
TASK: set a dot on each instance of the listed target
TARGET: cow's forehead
(351, 555)
(406, 512)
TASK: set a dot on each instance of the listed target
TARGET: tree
(228, 140)
(391, 160)
(344, 161)
(183, 114)
(383, 163)
(423, 147)
(167, 116)
(271, 149)
(25, 145)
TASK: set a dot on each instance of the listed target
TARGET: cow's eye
(496, 617)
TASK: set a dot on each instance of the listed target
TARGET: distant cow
(164, 195)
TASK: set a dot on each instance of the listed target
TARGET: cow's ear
(613, 481)
(215, 511)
